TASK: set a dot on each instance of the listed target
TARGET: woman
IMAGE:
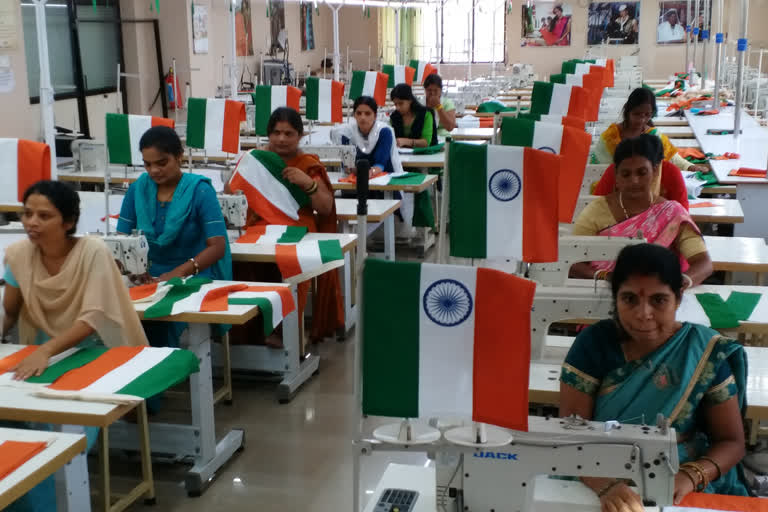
(671, 184)
(64, 292)
(644, 362)
(637, 113)
(444, 107)
(625, 26)
(634, 207)
(285, 129)
(180, 216)
(414, 124)
(559, 28)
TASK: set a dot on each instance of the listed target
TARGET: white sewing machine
(89, 155)
(234, 207)
(347, 155)
(503, 479)
(131, 251)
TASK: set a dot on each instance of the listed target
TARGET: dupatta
(612, 137)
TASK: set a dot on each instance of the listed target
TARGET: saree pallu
(611, 138)
(660, 224)
(674, 380)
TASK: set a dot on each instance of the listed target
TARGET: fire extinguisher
(172, 89)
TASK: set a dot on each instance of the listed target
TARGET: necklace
(626, 213)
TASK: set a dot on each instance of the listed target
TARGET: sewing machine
(336, 152)
(89, 155)
(234, 207)
(502, 479)
(130, 251)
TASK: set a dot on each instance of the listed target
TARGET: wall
(18, 121)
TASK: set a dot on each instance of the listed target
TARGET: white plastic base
(467, 436)
(394, 433)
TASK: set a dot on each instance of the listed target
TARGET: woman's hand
(32, 365)
(140, 279)
(620, 498)
(403, 142)
(683, 487)
(699, 168)
(297, 177)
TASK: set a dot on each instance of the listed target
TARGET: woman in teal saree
(644, 362)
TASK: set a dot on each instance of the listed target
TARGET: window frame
(472, 60)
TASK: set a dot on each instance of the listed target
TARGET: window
(468, 29)
(62, 65)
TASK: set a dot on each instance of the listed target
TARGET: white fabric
(504, 225)
(9, 171)
(561, 99)
(324, 100)
(137, 126)
(214, 124)
(308, 254)
(257, 175)
(278, 97)
(547, 137)
(117, 379)
(420, 71)
(274, 299)
(369, 86)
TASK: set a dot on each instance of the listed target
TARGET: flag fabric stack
(259, 175)
(573, 122)
(369, 83)
(272, 234)
(306, 256)
(22, 163)
(559, 99)
(571, 143)
(398, 74)
(123, 134)
(392, 178)
(324, 100)
(582, 67)
(213, 124)
(423, 70)
(450, 349)
(14, 454)
(503, 202)
(267, 98)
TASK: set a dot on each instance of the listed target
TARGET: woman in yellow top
(638, 111)
(633, 207)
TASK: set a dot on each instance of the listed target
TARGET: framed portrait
(546, 24)
(244, 29)
(199, 29)
(307, 28)
(613, 23)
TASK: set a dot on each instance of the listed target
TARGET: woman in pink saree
(558, 32)
(633, 209)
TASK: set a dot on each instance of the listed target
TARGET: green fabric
(491, 107)
(265, 308)
(330, 250)
(292, 234)
(172, 370)
(429, 150)
(468, 198)
(727, 314)
(410, 178)
(557, 78)
(196, 108)
(517, 132)
(179, 290)
(710, 178)
(118, 139)
(76, 360)
(423, 214)
(743, 304)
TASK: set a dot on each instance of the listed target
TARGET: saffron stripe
(234, 113)
(287, 260)
(93, 371)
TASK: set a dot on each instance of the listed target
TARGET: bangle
(686, 277)
(197, 267)
(439, 106)
(700, 471)
(312, 188)
(602, 492)
(717, 466)
(688, 474)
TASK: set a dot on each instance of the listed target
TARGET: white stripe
(422, 68)
(129, 371)
(547, 136)
(192, 303)
(273, 297)
(504, 226)
(760, 313)
(583, 68)
(62, 355)
(9, 170)
(254, 172)
(137, 126)
(561, 99)
(446, 353)
(272, 233)
(369, 86)
(574, 80)
(214, 124)
(308, 254)
(278, 97)
(690, 310)
(399, 75)
(548, 118)
(324, 100)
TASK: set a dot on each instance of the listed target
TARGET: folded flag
(712, 310)
(503, 202)
(123, 134)
(274, 302)
(306, 256)
(213, 124)
(423, 69)
(394, 178)
(398, 74)
(267, 98)
(559, 99)
(14, 454)
(272, 234)
(22, 163)
(369, 83)
(324, 100)
(571, 143)
(259, 175)
(450, 351)
(573, 122)
(746, 172)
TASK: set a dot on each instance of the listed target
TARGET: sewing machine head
(88, 155)
(346, 154)
(234, 207)
(130, 251)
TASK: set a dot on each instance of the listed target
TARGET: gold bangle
(312, 188)
(197, 267)
(700, 471)
(685, 471)
(712, 461)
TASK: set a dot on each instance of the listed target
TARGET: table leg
(105, 496)
(77, 491)
(225, 391)
(298, 370)
(389, 238)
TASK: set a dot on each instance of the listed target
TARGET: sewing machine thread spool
(479, 435)
(406, 433)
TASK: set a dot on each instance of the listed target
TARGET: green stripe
(179, 290)
(517, 132)
(275, 165)
(265, 307)
(330, 250)
(356, 87)
(528, 115)
(468, 197)
(391, 348)
(118, 139)
(292, 234)
(414, 64)
(313, 98)
(262, 101)
(389, 69)
(172, 370)
(411, 178)
(720, 315)
(568, 67)
(196, 122)
(76, 360)
(558, 78)
(541, 97)
(742, 304)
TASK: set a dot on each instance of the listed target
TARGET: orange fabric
(541, 175)
(352, 178)
(579, 103)
(409, 74)
(34, 164)
(13, 455)
(337, 99)
(96, 369)
(574, 122)
(706, 204)
(285, 296)
(486, 122)
(575, 151)
(593, 84)
(722, 502)
(10, 362)
(163, 121)
(287, 260)
(143, 291)
(692, 152)
(380, 90)
(746, 172)
(234, 114)
(218, 298)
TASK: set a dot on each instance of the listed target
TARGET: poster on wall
(199, 28)
(673, 17)
(546, 24)
(244, 29)
(307, 28)
(613, 23)
(9, 24)
(277, 25)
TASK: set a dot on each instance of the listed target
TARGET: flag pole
(441, 232)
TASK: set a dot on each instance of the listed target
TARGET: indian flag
(369, 83)
(398, 74)
(571, 143)
(22, 163)
(593, 83)
(306, 256)
(423, 69)
(503, 202)
(610, 67)
(559, 99)
(14, 454)
(123, 134)
(274, 302)
(324, 100)
(259, 175)
(272, 234)
(573, 122)
(213, 124)
(450, 351)
(268, 98)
